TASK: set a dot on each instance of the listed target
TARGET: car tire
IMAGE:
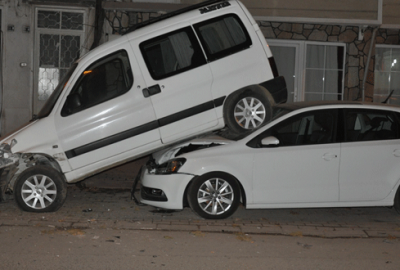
(211, 203)
(397, 201)
(248, 110)
(40, 189)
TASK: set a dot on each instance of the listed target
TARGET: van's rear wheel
(248, 110)
(40, 189)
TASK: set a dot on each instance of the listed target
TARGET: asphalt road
(49, 248)
(100, 227)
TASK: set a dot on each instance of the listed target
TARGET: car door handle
(396, 153)
(152, 90)
(329, 156)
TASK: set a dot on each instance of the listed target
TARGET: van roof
(172, 14)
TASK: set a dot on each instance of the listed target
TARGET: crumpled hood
(189, 146)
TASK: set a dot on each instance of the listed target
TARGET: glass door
(288, 60)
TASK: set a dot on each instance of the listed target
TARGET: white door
(304, 167)
(369, 167)
(105, 114)
(179, 83)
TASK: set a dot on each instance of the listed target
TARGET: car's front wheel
(214, 195)
(40, 189)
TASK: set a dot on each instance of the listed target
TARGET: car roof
(292, 106)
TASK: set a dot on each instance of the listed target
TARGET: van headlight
(171, 166)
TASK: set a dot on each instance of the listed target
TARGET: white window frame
(386, 46)
(300, 62)
(337, 44)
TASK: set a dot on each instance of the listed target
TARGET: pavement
(104, 202)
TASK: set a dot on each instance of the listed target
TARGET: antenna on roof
(388, 97)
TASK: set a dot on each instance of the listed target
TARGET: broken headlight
(171, 166)
(6, 156)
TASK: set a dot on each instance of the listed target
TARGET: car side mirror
(270, 141)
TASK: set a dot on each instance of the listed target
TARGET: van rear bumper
(277, 88)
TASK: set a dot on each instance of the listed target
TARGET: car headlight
(171, 166)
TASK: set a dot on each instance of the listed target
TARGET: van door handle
(329, 156)
(396, 153)
(152, 90)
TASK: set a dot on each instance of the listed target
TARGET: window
(173, 53)
(316, 127)
(59, 36)
(106, 79)
(387, 73)
(313, 70)
(223, 36)
(324, 72)
(368, 125)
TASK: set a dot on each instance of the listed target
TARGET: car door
(304, 166)
(179, 81)
(105, 114)
(369, 166)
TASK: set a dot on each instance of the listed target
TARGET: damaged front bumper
(163, 191)
(8, 162)
(7, 158)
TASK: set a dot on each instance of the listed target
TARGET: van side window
(106, 79)
(223, 36)
(172, 53)
(371, 125)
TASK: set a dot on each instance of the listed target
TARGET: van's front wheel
(248, 110)
(40, 189)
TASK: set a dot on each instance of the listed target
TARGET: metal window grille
(59, 40)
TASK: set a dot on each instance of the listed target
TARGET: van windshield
(51, 101)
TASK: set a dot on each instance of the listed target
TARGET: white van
(185, 73)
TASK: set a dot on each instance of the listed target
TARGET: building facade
(340, 50)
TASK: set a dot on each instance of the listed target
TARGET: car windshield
(51, 101)
(277, 112)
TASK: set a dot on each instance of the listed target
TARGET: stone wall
(356, 50)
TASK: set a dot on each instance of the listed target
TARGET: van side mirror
(270, 141)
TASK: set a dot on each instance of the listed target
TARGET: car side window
(105, 79)
(371, 125)
(223, 36)
(172, 53)
(317, 127)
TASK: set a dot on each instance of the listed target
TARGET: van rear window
(223, 36)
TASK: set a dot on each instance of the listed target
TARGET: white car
(176, 76)
(311, 154)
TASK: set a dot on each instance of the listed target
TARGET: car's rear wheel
(40, 189)
(397, 201)
(214, 195)
(248, 110)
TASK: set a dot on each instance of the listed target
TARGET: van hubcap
(249, 113)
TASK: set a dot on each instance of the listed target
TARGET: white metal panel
(107, 119)
(369, 170)
(178, 93)
(296, 174)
